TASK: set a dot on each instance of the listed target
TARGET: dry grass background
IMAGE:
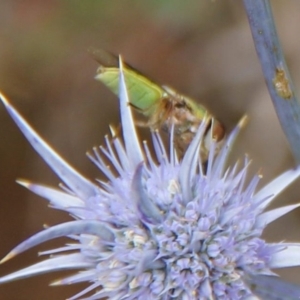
(202, 48)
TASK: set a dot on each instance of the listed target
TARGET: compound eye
(218, 132)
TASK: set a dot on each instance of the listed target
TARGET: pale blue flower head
(159, 228)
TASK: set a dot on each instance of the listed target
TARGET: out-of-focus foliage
(202, 48)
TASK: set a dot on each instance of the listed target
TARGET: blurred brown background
(202, 48)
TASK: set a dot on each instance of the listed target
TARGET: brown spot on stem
(281, 84)
(275, 49)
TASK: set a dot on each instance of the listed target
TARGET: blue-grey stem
(273, 288)
(275, 70)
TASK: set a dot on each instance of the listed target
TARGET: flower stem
(275, 70)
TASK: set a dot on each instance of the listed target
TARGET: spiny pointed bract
(57, 198)
(75, 181)
(66, 262)
(132, 145)
(166, 230)
(71, 228)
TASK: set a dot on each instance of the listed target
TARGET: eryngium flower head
(159, 228)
